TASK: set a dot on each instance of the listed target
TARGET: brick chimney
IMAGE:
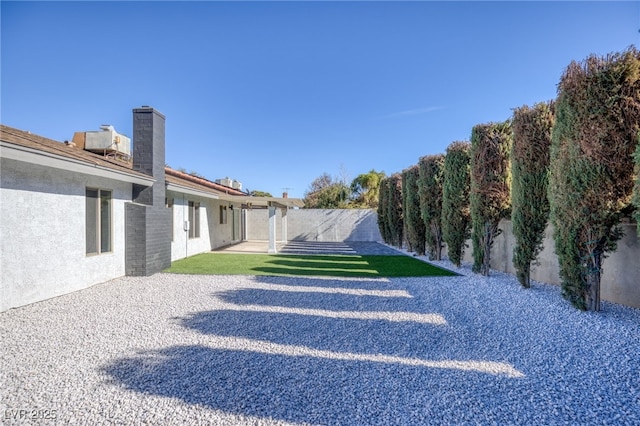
(147, 221)
(148, 153)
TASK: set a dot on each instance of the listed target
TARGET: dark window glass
(92, 221)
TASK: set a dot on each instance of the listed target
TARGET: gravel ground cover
(180, 349)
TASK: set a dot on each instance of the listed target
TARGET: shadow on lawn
(369, 266)
(353, 266)
(315, 272)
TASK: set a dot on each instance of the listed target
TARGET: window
(223, 215)
(194, 218)
(98, 221)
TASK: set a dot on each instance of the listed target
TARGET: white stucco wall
(42, 234)
(212, 233)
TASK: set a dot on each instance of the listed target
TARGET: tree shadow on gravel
(408, 339)
(328, 282)
(311, 390)
(297, 356)
(315, 300)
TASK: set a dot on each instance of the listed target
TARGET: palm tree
(365, 189)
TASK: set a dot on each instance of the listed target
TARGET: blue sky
(276, 93)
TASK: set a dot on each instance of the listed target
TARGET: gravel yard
(176, 349)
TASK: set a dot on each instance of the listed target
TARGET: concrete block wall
(331, 225)
(621, 269)
(148, 220)
(158, 256)
(136, 247)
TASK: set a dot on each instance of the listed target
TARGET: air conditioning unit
(237, 185)
(226, 182)
(107, 141)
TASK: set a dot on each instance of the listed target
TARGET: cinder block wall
(317, 225)
(148, 221)
(621, 270)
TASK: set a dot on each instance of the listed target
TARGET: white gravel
(176, 349)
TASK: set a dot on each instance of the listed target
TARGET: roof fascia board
(265, 201)
(184, 190)
(33, 156)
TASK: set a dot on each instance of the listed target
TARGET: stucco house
(71, 217)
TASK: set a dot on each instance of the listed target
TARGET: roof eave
(265, 201)
(191, 191)
(32, 156)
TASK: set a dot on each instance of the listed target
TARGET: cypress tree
(636, 188)
(383, 224)
(490, 195)
(405, 210)
(430, 180)
(530, 174)
(456, 216)
(414, 225)
(394, 209)
(591, 181)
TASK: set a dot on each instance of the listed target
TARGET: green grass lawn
(306, 265)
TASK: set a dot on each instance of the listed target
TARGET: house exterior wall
(42, 245)
(224, 234)
(212, 234)
(181, 245)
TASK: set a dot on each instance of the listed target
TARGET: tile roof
(39, 143)
(34, 142)
(29, 140)
(190, 181)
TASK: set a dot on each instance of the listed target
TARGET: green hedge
(414, 225)
(383, 225)
(591, 182)
(490, 195)
(394, 210)
(636, 188)
(456, 215)
(530, 174)
(430, 180)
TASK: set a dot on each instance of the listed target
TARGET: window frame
(223, 215)
(97, 222)
(194, 219)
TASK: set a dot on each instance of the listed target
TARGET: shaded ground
(176, 349)
(312, 265)
(313, 247)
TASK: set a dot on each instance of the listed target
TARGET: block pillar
(284, 224)
(272, 229)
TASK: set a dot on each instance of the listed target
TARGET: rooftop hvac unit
(226, 182)
(107, 141)
(237, 185)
